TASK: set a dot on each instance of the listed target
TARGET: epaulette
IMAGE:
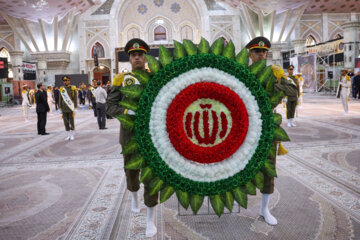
(278, 72)
(73, 88)
(61, 88)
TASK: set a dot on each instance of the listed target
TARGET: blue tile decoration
(159, 3)
(175, 7)
(142, 9)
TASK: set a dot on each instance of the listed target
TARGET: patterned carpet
(56, 189)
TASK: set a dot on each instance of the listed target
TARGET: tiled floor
(56, 189)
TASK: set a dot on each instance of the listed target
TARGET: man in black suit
(56, 96)
(42, 108)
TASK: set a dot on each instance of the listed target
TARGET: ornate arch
(5, 44)
(128, 28)
(335, 32)
(155, 22)
(101, 41)
(314, 34)
(98, 49)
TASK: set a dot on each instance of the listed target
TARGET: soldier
(136, 49)
(292, 99)
(25, 102)
(343, 90)
(68, 106)
(258, 49)
(92, 96)
(301, 84)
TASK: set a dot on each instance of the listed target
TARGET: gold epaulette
(278, 72)
(73, 88)
(61, 88)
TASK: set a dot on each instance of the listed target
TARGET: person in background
(56, 97)
(100, 96)
(50, 98)
(68, 106)
(357, 85)
(108, 90)
(292, 100)
(92, 96)
(25, 102)
(42, 108)
(343, 90)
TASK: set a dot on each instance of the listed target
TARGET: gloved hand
(118, 79)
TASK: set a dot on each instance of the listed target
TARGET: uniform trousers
(132, 176)
(269, 181)
(69, 121)
(290, 108)
(100, 109)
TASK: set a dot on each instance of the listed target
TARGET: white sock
(150, 222)
(134, 203)
(292, 122)
(264, 211)
(68, 135)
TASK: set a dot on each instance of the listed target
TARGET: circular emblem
(261, 44)
(136, 45)
(129, 81)
(202, 122)
(204, 125)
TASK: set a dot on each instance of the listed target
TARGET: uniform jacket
(72, 92)
(41, 101)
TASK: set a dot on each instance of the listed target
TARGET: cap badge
(261, 43)
(136, 45)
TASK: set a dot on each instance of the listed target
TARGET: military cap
(259, 42)
(65, 78)
(136, 44)
(291, 67)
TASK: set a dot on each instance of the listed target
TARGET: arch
(223, 35)
(155, 22)
(5, 44)
(200, 8)
(310, 40)
(128, 29)
(101, 41)
(159, 33)
(99, 49)
(314, 34)
(190, 27)
(4, 53)
(336, 33)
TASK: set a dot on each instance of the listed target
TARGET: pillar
(17, 62)
(351, 42)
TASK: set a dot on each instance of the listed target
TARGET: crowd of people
(65, 100)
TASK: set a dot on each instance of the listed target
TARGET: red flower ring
(214, 144)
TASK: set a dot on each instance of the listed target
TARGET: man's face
(343, 73)
(290, 71)
(67, 82)
(137, 60)
(257, 54)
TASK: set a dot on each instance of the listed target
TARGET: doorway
(102, 73)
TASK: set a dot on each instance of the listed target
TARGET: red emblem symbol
(207, 122)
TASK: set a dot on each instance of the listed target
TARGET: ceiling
(44, 9)
(314, 6)
(47, 9)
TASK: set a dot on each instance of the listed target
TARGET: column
(351, 42)
(42, 68)
(299, 46)
(276, 53)
(17, 62)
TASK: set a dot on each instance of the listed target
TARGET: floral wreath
(204, 124)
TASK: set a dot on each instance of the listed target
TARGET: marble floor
(56, 189)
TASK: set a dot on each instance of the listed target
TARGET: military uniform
(25, 103)
(114, 109)
(293, 98)
(343, 91)
(68, 113)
